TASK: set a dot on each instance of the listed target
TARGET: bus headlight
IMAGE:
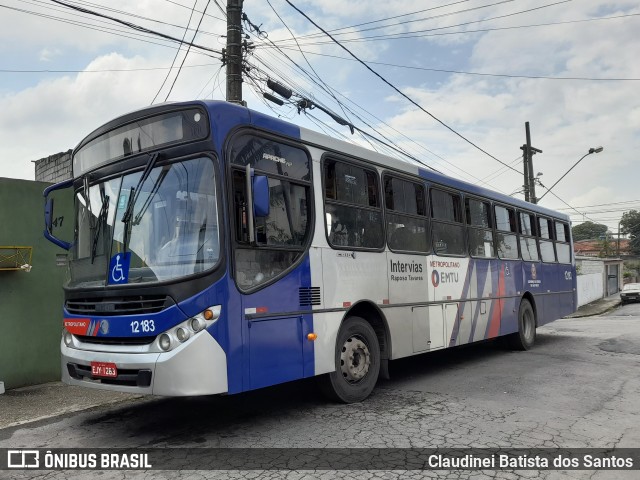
(189, 328)
(165, 342)
(197, 324)
(182, 334)
(67, 337)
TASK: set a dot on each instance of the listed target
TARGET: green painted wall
(31, 303)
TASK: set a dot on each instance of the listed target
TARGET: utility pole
(525, 163)
(233, 53)
(527, 155)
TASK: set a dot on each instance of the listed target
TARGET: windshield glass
(172, 231)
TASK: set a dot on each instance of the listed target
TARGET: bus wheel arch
(372, 314)
(525, 337)
(529, 296)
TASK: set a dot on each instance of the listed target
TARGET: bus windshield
(171, 229)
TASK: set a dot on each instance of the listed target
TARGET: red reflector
(385, 301)
(262, 310)
(104, 369)
(346, 304)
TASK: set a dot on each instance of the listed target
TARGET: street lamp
(591, 150)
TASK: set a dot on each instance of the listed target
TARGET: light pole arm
(592, 150)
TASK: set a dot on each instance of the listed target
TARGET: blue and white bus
(219, 250)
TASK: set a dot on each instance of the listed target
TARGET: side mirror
(261, 199)
(50, 220)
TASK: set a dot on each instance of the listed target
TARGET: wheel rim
(355, 359)
(528, 325)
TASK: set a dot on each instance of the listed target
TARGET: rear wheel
(525, 337)
(357, 361)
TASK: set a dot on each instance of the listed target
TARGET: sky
(450, 82)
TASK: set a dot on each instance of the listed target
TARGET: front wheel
(525, 337)
(357, 363)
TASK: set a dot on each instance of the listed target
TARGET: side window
(406, 215)
(447, 230)
(545, 233)
(506, 238)
(479, 228)
(352, 206)
(528, 242)
(563, 249)
(280, 237)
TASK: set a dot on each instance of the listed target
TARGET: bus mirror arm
(249, 187)
(257, 199)
(48, 213)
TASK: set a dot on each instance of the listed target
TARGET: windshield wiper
(133, 197)
(102, 217)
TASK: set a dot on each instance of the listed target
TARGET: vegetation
(588, 231)
(630, 225)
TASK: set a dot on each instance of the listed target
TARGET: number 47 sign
(119, 268)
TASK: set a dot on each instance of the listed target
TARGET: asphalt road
(579, 388)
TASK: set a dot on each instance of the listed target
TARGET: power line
(107, 70)
(135, 27)
(403, 35)
(607, 204)
(177, 53)
(398, 90)
(188, 49)
(383, 19)
(461, 72)
(404, 22)
(261, 37)
(465, 32)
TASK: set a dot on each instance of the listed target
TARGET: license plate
(104, 369)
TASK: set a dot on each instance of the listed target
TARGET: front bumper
(197, 367)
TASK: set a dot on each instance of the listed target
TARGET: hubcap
(355, 359)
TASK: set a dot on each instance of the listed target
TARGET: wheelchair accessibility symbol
(119, 268)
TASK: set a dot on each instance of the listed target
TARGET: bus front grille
(116, 340)
(134, 305)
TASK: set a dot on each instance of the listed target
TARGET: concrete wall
(593, 278)
(54, 168)
(590, 288)
(30, 303)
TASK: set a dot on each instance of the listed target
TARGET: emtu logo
(435, 278)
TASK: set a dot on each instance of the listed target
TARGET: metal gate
(613, 274)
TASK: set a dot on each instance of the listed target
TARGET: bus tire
(357, 361)
(525, 337)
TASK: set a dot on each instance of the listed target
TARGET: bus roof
(231, 113)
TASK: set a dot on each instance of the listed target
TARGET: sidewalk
(39, 402)
(598, 307)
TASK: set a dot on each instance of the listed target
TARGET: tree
(607, 246)
(588, 231)
(630, 225)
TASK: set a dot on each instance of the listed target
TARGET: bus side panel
(411, 326)
(512, 293)
(275, 328)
